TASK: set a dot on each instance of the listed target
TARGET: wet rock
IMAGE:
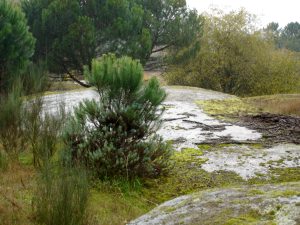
(200, 127)
(180, 110)
(249, 162)
(268, 204)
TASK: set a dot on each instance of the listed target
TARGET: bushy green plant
(42, 130)
(61, 196)
(16, 43)
(116, 135)
(11, 132)
(234, 57)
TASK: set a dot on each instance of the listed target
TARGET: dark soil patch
(275, 128)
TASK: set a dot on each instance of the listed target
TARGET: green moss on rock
(226, 107)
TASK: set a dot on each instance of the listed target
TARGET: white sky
(280, 11)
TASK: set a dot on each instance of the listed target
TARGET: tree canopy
(70, 33)
(287, 37)
(16, 43)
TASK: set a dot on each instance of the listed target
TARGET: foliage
(65, 37)
(290, 36)
(34, 79)
(171, 24)
(42, 130)
(287, 37)
(233, 57)
(24, 123)
(70, 33)
(16, 43)
(61, 196)
(116, 136)
(11, 132)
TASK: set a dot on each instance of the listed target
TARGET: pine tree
(116, 136)
(16, 43)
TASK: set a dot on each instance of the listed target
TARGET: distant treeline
(287, 37)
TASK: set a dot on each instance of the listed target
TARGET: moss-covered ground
(231, 108)
(122, 201)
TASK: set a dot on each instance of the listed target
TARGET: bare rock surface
(267, 204)
(187, 126)
(249, 162)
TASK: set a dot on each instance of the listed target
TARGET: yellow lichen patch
(225, 107)
(254, 192)
(189, 155)
(242, 220)
(205, 147)
(186, 176)
(285, 193)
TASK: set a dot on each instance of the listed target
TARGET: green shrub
(116, 136)
(42, 130)
(61, 196)
(16, 43)
(236, 58)
(11, 131)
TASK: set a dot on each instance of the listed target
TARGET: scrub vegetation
(233, 56)
(105, 162)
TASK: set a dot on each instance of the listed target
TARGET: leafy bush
(61, 196)
(116, 136)
(16, 43)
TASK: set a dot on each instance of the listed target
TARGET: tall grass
(3, 161)
(15, 118)
(279, 104)
(11, 132)
(61, 196)
(42, 130)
